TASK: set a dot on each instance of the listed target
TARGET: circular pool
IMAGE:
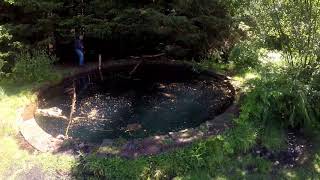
(154, 100)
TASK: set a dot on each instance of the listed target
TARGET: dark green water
(130, 108)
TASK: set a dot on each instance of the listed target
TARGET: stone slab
(37, 137)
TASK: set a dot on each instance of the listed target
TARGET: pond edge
(44, 142)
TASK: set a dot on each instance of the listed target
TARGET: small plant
(273, 138)
(34, 67)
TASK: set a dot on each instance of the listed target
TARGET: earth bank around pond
(158, 101)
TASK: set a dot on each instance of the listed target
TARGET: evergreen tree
(184, 28)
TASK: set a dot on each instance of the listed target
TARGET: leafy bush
(34, 67)
(287, 95)
(8, 48)
(279, 97)
(245, 55)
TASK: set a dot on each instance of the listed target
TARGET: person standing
(78, 45)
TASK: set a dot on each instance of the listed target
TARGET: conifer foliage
(181, 28)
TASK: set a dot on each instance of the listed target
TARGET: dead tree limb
(73, 107)
(135, 68)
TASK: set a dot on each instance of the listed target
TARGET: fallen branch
(135, 68)
(148, 56)
(73, 106)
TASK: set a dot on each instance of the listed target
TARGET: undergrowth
(213, 155)
(14, 96)
(34, 66)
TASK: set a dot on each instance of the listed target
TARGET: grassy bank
(227, 156)
(15, 162)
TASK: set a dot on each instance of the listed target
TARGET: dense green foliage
(120, 28)
(278, 98)
(287, 92)
(33, 67)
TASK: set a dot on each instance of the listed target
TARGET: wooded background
(179, 28)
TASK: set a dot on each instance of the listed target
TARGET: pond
(156, 100)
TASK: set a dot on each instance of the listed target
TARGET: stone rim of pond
(152, 145)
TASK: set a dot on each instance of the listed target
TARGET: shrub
(286, 96)
(34, 67)
(279, 97)
(273, 137)
(245, 55)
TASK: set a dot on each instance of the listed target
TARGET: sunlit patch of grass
(298, 173)
(291, 174)
(11, 157)
(14, 97)
(9, 104)
(14, 161)
(109, 150)
(241, 81)
(316, 163)
(54, 163)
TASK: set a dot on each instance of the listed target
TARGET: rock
(51, 112)
(133, 127)
(55, 144)
(60, 136)
(37, 137)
